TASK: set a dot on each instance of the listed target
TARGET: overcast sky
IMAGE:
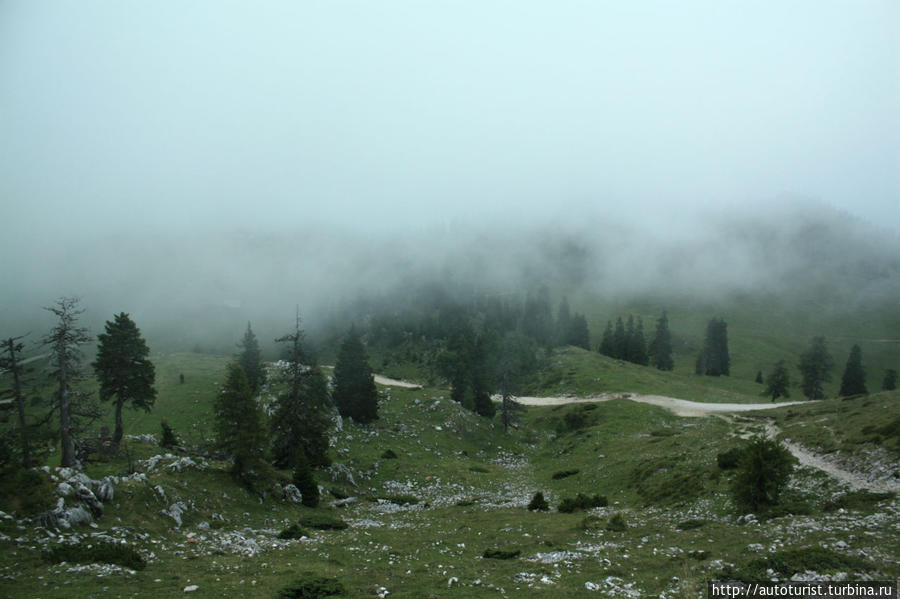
(140, 115)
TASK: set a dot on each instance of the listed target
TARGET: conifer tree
(306, 483)
(563, 323)
(64, 341)
(714, 359)
(240, 425)
(354, 391)
(637, 348)
(124, 372)
(303, 409)
(579, 335)
(607, 345)
(779, 382)
(890, 380)
(12, 362)
(620, 341)
(250, 360)
(853, 382)
(815, 368)
(661, 345)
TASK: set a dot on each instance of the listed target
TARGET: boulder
(290, 492)
(106, 490)
(87, 497)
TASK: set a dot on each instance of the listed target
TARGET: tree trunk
(117, 435)
(65, 420)
(20, 401)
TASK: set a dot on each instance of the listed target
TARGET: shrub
(98, 551)
(538, 503)
(310, 586)
(322, 522)
(389, 454)
(591, 523)
(728, 460)
(788, 563)
(564, 474)
(691, 524)
(582, 502)
(479, 469)
(501, 553)
(617, 523)
(763, 472)
(26, 492)
(856, 500)
(293, 531)
(671, 479)
(168, 435)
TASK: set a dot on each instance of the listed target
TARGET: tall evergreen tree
(65, 340)
(354, 391)
(714, 359)
(516, 358)
(12, 362)
(853, 382)
(779, 382)
(661, 345)
(303, 409)
(579, 335)
(240, 425)
(815, 368)
(124, 372)
(620, 341)
(607, 345)
(637, 347)
(537, 319)
(250, 360)
(563, 323)
(890, 380)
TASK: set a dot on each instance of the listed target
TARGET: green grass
(669, 512)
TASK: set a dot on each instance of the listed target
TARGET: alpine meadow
(424, 300)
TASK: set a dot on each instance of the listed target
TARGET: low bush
(856, 500)
(691, 524)
(501, 553)
(617, 523)
(790, 562)
(581, 502)
(311, 586)
(728, 460)
(293, 531)
(538, 503)
(96, 552)
(762, 474)
(564, 474)
(389, 454)
(321, 522)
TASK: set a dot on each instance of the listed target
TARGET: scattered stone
(191, 588)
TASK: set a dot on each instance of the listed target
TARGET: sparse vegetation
(582, 502)
(96, 552)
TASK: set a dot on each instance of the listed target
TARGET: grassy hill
(437, 487)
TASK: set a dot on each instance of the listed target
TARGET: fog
(199, 161)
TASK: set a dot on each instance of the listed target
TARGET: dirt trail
(681, 407)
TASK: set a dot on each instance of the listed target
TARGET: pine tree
(306, 483)
(354, 391)
(890, 380)
(714, 359)
(303, 409)
(637, 348)
(815, 368)
(779, 382)
(123, 370)
(64, 341)
(240, 425)
(563, 323)
(12, 362)
(607, 345)
(661, 345)
(620, 341)
(579, 335)
(250, 360)
(853, 382)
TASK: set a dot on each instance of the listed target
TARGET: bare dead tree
(64, 341)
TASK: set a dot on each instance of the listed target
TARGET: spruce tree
(354, 391)
(890, 380)
(579, 335)
(620, 341)
(815, 368)
(124, 371)
(607, 345)
(779, 382)
(853, 382)
(661, 345)
(563, 323)
(303, 409)
(306, 483)
(250, 360)
(240, 425)
(714, 359)
(637, 348)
